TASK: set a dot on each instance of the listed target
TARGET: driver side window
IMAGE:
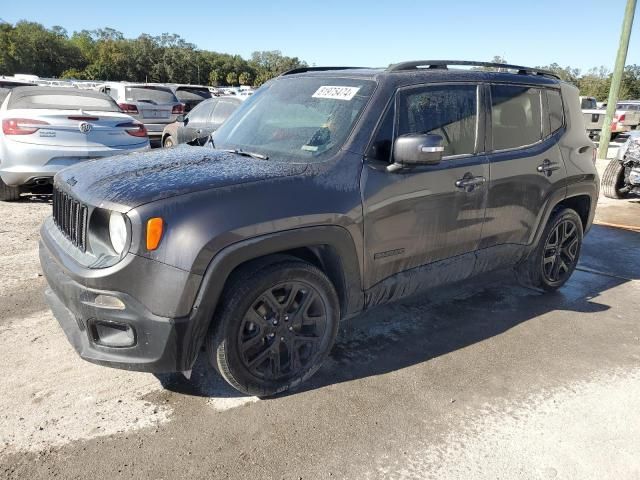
(450, 111)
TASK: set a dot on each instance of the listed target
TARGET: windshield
(192, 94)
(151, 94)
(296, 119)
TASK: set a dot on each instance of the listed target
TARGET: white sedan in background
(45, 129)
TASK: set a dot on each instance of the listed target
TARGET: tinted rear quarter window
(556, 111)
(446, 110)
(516, 119)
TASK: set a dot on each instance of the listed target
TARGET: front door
(420, 215)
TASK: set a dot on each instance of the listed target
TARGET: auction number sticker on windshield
(336, 93)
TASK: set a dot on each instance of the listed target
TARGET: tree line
(105, 54)
(596, 81)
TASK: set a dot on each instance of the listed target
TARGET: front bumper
(160, 344)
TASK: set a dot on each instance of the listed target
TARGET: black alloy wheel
(275, 326)
(280, 334)
(561, 251)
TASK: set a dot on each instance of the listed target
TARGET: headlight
(117, 232)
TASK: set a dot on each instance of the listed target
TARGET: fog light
(107, 301)
(111, 334)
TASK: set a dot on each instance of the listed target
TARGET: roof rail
(444, 64)
(315, 69)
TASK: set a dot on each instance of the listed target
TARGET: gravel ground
(484, 380)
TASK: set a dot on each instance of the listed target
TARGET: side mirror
(181, 119)
(416, 149)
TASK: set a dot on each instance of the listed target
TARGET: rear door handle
(469, 183)
(547, 167)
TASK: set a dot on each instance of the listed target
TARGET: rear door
(527, 170)
(423, 214)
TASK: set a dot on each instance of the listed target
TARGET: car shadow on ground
(446, 319)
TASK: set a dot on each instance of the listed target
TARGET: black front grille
(71, 218)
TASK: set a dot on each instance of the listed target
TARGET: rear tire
(613, 180)
(8, 193)
(553, 260)
(275, 327)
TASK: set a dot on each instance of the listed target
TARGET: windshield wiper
(244, 153)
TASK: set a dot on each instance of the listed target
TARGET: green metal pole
(616, 79)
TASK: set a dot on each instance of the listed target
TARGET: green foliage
(244, 78)
(232, 78)
(105, 54)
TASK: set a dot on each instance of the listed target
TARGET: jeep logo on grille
(84, 127)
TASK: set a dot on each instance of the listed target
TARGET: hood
(126, 181)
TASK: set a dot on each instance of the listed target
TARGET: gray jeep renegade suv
(328, 192)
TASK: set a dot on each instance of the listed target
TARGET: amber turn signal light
(155, 226)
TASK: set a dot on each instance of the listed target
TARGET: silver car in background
(45, 129)
(154, 105)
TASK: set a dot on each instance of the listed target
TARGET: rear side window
(446, 110)
(155, 95)
(516, 119)
(556, 111)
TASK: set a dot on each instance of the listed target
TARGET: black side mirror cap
(416, 149)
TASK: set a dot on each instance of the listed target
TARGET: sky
(579, 33)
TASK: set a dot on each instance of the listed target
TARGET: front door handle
(548, 167)
(468, 182)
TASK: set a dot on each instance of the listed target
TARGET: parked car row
(626, 117)
(45, 129)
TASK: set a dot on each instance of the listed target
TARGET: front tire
(168, 142)
(8, 193)
(275, 327)
(556, 256)
(613, 180)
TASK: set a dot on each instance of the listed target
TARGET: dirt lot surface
(485, 380)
